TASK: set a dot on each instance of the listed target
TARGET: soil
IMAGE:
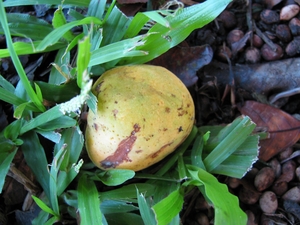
(247, 48)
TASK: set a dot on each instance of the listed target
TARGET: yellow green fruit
(143, 113)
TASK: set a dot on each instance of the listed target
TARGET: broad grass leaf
(83, 59)
(56, 76)
(43, 205)
(196, 155)
(23, 48)
(114, 27)
(236, 148)
(128, 192)
(239, 131)
(115, 206)
(88, 202)
(58, 33)
(59, 20)
(7, 152)
(50, 135)
(6, 85)
(279, 125)
(10, 98)
(96, 8)
(63, 92)
(35, 157)
(117, 50)
(10, 3)
(146, 212)
(168, 208)
(181, 25)
(57, 124)
(124, 219)
(25, 25)
(16, 61)
(226, 205)
(114, 177)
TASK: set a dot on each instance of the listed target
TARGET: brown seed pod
(234, 36)
(251, 218)
(223, 53)
(283, 33)
(274, 163)
(288, 171)
(293, 194)
(228, 19)
(202, 219)
(247, 194)
(293, 48)
(268, 54)
(289, 11)
(280, 188)
(233, 182)
(264, 178)
(268, 202)
(269, 16)
(257, 41)
(294, 26)
(285, 154)
(298, 173)
(252, 55)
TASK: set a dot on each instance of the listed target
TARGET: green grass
(108, 39)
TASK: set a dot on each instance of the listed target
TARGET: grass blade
(83, 59)
(8, 151)
(23, 48)
(145, 211)
(58, 33)
(34, 98)
(88, 202)
(10, 3)
(181, 25)
(226, 205)
(118, 50)
(229, 144)
(59, 20)
(168, 208)
(35, 157)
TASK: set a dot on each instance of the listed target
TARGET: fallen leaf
(271, 3)
(185, 61)
(279, 124)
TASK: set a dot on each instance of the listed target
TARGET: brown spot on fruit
(115, 112)
(180, 129)
(155, 154)
(168, 110)
(95, 126)
(121, 154)
(136, 129)
(97, 88)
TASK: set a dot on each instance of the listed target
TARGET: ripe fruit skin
(143, 113)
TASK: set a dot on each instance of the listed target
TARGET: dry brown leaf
(185, 61)
(271, 3)
(279, 124)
